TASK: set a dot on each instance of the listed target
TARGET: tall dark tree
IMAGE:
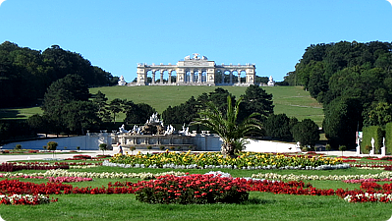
(256, 99)
(79, 116)
(342, 119)
(306, 132)
(279, 127)
(138, 113)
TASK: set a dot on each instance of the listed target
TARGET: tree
(138, 113)
(79, 116)
(279, 127)
(378, 115)
(103, 147)
(342, 118)
(115, 107)
(60, 93)
(52, 145)
(183, 113)
(218, 97)
(256, 100)
(306, 132)
(226, 125)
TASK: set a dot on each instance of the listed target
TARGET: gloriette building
(196, 70)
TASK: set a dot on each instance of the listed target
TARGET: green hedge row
(388, 138)
(373, 132)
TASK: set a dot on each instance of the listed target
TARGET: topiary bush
(18, 147)
(192, 189)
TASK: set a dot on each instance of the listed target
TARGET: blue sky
(117, 34)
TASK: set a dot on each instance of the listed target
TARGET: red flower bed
(10, 167)
(198, 189)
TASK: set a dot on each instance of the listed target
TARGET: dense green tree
(378, 114)
(227, 126)
(279, 127)
(306, 132)
(138, 113)
(342, 119)
(218, 97)
(25, 74)
(115, 107)
(183, 113)
(79, 116)
(256, 99)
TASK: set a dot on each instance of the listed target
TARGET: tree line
(353, 81)
(25, 74)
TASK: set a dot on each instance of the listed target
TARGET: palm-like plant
(226, 125)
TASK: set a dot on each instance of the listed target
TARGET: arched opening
(242, 75)
(149, 79)
(173, 77)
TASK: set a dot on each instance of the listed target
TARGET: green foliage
(26, 73)
(369, 133)
(138, 113)
(348, 70)
(378, 114)
(306, 132)
(18, 147)
(279, 127)
(256, 100)
(342, 117)
(161, 147)
(388, 137)
(328, 147)
(51, 145)
(103, 147)
(226, 125)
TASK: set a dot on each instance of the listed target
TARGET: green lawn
(293, 101)
(260, 206)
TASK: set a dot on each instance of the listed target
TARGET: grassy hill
(293, 101)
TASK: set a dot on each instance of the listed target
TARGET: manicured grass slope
(293, 101)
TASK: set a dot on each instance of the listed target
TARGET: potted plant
(103, 147)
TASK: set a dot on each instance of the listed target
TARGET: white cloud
(390, 1)
(1, 2)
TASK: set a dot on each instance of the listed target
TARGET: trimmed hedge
(388, 138)
(369, 133)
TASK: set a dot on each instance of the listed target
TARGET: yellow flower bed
(244, 159)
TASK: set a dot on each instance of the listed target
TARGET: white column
(199, 76)
(239, 77)
(169, 80)
(223, 77)
(153, 77)
(161, 79)
(191, 77)
(231, 77)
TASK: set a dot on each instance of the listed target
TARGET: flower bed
(16, 199)
(65, 173)
(243, 161)
(275, 176)
(10, 167)
(192, 189)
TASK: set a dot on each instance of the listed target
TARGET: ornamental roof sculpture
(195, 57)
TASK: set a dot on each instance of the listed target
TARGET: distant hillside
(293, 101)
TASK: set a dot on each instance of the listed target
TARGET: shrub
(192, 189)
(52, 145)
(172, 148)
(103, 147)
(18, 147)
(162, 147)
(78, 148)
(133, 148)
